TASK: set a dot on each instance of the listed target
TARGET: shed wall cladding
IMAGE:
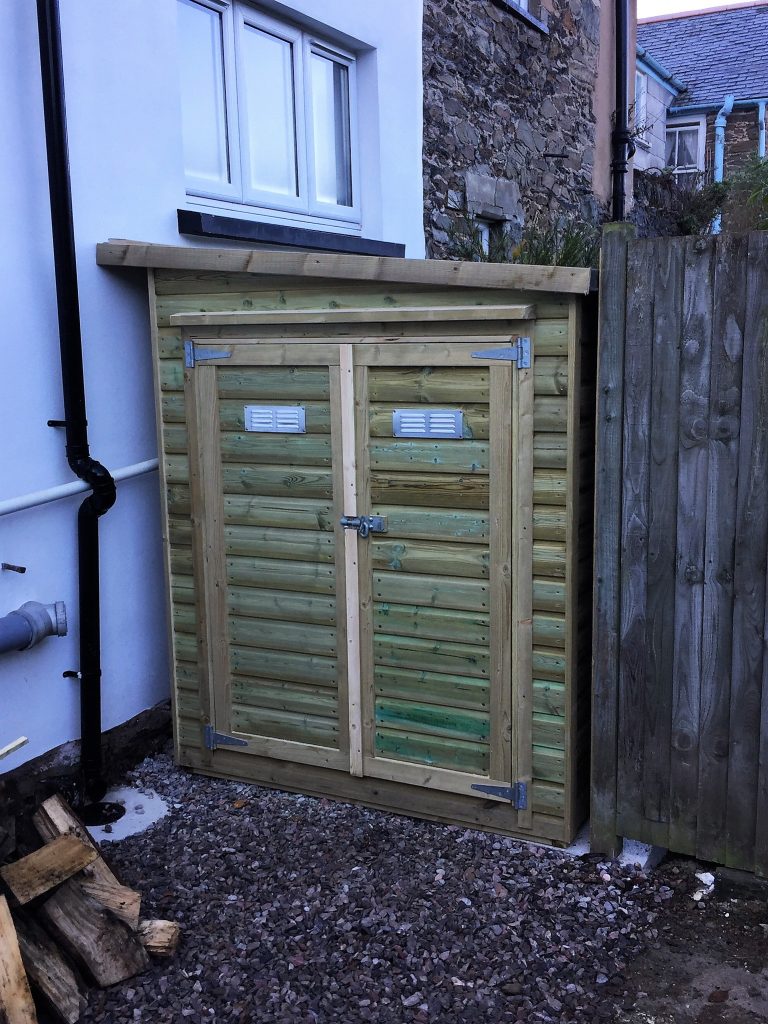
(274, 605)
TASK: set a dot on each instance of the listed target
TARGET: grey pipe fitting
(31, 623)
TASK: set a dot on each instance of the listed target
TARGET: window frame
(236, 15)
(680, 123)
(641, 107)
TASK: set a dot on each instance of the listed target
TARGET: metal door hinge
(213, 739)
(196, 354)
(518, 352)
(517, 793)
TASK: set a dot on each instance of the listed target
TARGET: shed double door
(399, 650)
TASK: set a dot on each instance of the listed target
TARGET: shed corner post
(607, 537)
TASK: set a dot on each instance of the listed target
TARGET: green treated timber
(281, 696)
(284, 666)
(231, 413)
(550, 375)
(550, 487)
(254, 510)
(432, 750)
(410, 523)
(262, 384)
(276, 449)
(277, 481)
(549, 630)
(451, 490)
(476, 419)
(433, 591)
(432, 688)
(549, 559)
(302, 637)
(449, 385)
(548, 664)
(260, 542)
(550, 451)
(284, 605)
(548, 595)
(548, 798)
(548, 764)
(285, 725)
(429, 456)
(549, 523)
(549, 731)
(434, 655)
(550, 414)
(431, 623)
(438, 559)
(549, 698)
(432, 720)
(267, 573)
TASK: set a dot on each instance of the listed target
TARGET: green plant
(562, 244)
(747, 206)
(682, 205)
(466, 241)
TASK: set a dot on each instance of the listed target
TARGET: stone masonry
(508, 114)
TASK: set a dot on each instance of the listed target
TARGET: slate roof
(714, 53)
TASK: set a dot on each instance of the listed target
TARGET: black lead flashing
(211, 225)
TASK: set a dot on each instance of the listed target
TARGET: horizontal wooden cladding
(297, 698)
(435, 524)
(432, 750)
(317, 414)
(267, 573)
(432, 719)
(431, 655)
(376, 314)
(270, 634)
(285, 725)
(433, 558)
(429, 384)
(435, 591)
(429, 456)
(476, 419)
(431, 623)
(452, 490)
(264, 542)
(568, 280)
(251, 602)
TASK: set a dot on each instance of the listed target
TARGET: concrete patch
(142, 809)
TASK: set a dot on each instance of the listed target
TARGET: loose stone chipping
(298, 909)
(509, 124)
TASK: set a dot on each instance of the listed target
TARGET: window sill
(209, 225)
(520, 12)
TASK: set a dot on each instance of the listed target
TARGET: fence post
(608, 489)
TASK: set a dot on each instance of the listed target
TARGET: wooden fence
(680, 715)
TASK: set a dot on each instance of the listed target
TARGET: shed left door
(268, 550)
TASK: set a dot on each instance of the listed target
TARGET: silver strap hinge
(213, 739)
(517, 793)
(518, 352)
(196, 354)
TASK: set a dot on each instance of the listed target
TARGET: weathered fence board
(681, 611)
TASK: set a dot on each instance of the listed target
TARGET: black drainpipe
(103, 492)
(621, 138)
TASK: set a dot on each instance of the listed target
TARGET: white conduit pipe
(76, 487)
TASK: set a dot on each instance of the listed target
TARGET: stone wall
(741, 139)
(509, 127)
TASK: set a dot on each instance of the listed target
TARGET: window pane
(687, 148)
(204, 120)
(671, 140)
(267, 70)
(330, 130)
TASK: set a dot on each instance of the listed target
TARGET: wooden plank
(379, 314)
(433, 687)
(431, 623)
(290, 666)
(16, 1005)
(720, 537)
(606, 600)
(282, 696)
(434, 591)
(452, 490)
(103, 946)
(252, 352)
(634, 536)
(160, 938)
(11, 748)
(285, 606)
(44, 869)
(340, 554)
(433, 720)
(420, 523)
(351, 541)
(276, 481)
(267, 449)
(269, 573)
(279, 383)
(49, 972)
(259, 542)
(401, 746)
(751, 556)
(503, 411)
(521, 528)
(284, 725)
(664, 353)
(693, 466)
(430, 384)
(271, 634)
(121, 901)
(429, 456)
(283, 513)
(440, 558)
(354, 268)
(432, 655)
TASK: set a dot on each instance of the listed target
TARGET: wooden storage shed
(376, 477)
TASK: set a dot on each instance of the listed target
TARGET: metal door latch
(365, 524)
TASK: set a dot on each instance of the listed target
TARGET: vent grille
(275, 419)
(428, 423)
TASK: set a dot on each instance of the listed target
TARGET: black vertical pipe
(622, 145)
(103, 493)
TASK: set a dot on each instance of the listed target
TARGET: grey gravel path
(304, 910)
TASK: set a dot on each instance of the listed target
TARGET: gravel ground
(297, 909)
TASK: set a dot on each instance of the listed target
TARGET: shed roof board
(715, 53)
(565, 280)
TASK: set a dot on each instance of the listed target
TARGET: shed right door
(444, 452)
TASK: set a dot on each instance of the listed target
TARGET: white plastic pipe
(66, 490)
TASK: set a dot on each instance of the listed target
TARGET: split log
(49, 971)
(56, 818)
(16, 1006)
(160, 938)
(103, 946)
(43, 870)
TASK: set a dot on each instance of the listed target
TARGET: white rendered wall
(127, 181)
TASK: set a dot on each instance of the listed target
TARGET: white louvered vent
(428, 423)
(275, 419)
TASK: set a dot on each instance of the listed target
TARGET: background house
(709, 56)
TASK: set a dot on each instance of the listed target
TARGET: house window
(268, 112)
(684, 156)
(641, 107)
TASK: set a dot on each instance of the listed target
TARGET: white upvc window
(641, 106)
(685, 149)
(268, 112)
